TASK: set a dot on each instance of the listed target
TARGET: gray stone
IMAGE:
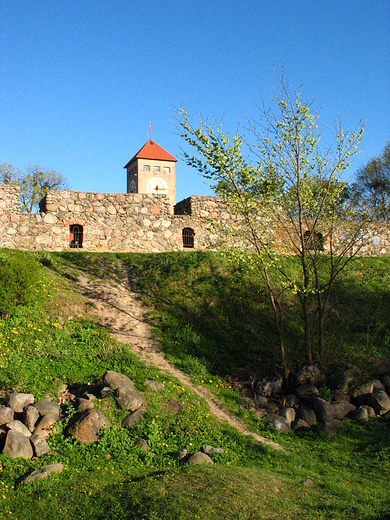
(44, 425)
(141, 444)
(342, 408)
(309, 375)
(288, 413)
(17, 401)
(386, 416)
(323, 410)
(386, 383)
(338, 424)
(127, 399)
(6, 414)
(210, 449)
(43, 473)
(47, 407)
(114, 380)
(180, 454)
(360, 415)
(87, 427)
(307, 414)
(104, 392)
(31, 416)
(130, 420)
(18, 426)
(83, 404)
(260, 400)
(307, 393)
(39, 445)
(199, 458)
(291, 401)
(380, 401)
(262, 412)
(154, 385)
(17, 446)
(299, 425)
(174, 406)
(328, 428)
(370, 410)
(276, 422)
(269, 386)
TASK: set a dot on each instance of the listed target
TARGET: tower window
(156, 168)
(167, 169)
(146, 168)
(76, 236)
(188, 237)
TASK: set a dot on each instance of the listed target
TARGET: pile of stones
(348, 399)
(25, 424)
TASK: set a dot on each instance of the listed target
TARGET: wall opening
(188, 237)
(76, 236)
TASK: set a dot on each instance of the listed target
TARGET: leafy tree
(288, 196)
(34, 183)
(372, 186)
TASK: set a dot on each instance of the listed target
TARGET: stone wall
(128, 222)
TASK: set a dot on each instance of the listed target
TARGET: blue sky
(80, 80)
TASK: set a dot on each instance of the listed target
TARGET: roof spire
(150, 129)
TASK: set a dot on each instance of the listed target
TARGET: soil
(121, 310)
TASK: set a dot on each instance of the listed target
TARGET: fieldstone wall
(129, 222)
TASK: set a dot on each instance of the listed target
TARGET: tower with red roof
(152, 170)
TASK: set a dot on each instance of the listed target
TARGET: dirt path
(122, 310)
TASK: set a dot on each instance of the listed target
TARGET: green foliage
(19, 275)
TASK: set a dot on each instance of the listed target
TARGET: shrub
(19, 273)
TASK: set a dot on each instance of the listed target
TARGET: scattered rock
(43, 427)
(17, 401)
(180, 454)
(342, 408)
(130, 420)
(105, 391)
(299, 425)
(287, 413)
(380, 401)
(199, 458)
(360, 415)
(308, 483)
(40, 474)
(154, 385)
(260, 400)
(87, 427)
(31, 416)
(6, 414)
(174, 406)
(323, 410)
(17, 445)
(18, 426)
(114, 380)
(83, 404)
(262, 412)
(307, 393)
(127, 399)
(141, 444)
(210, 449)
(269, 386)
(309, 375)
(39, 445)
(276, 422)
(307, 414)
(47, 408)
(328, 428)
(370, 410)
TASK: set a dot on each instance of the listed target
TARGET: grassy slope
(41, 348)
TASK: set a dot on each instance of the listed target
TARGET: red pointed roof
(152, 150)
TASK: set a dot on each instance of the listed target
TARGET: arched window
(76, 236)
(188, 237)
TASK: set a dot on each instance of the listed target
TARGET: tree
(289, 197)
(372, 186)
(34, 183)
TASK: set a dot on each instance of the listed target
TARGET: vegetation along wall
(127, 222)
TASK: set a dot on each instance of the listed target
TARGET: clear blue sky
(80, 80)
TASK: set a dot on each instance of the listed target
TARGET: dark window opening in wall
(314, 240)
(76, 236)
(188, 237)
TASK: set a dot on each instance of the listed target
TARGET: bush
(19, 273)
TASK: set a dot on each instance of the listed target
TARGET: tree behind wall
(34, 183)
(288, 194)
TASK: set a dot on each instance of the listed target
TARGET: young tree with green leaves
(287, 193)
(34, 183)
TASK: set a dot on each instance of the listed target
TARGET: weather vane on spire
(150, 129)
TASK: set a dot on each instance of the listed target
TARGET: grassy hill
(212, 319)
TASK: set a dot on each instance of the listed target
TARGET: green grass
(41, 348)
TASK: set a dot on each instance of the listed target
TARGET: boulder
(210, 449)
(17, 445)
(276, 422)
(39, 445)
(127, 399)
(47, 407)
(342, 408)
(17, 401)
(307, 414)
(370, 410)
(287, 413)
(269, 386)
(261, 412)
(87, 427)
(174, 406)
(45, 472)
(114, 380)
(130, 420)
(43, 426)
(307, 393)
(380, 401)
(260, 400)
(328, 428)
(141, 444)
(299, 425)
(18, 426)
(31, 416)
(154, 385)
(323, 410)
(291, 401)
(360, 414)
(180, 454)
(386, 383)
(309, 375)
(83, 404)
(6, 414)
(199, 458)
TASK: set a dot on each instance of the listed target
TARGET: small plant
(325, 393)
